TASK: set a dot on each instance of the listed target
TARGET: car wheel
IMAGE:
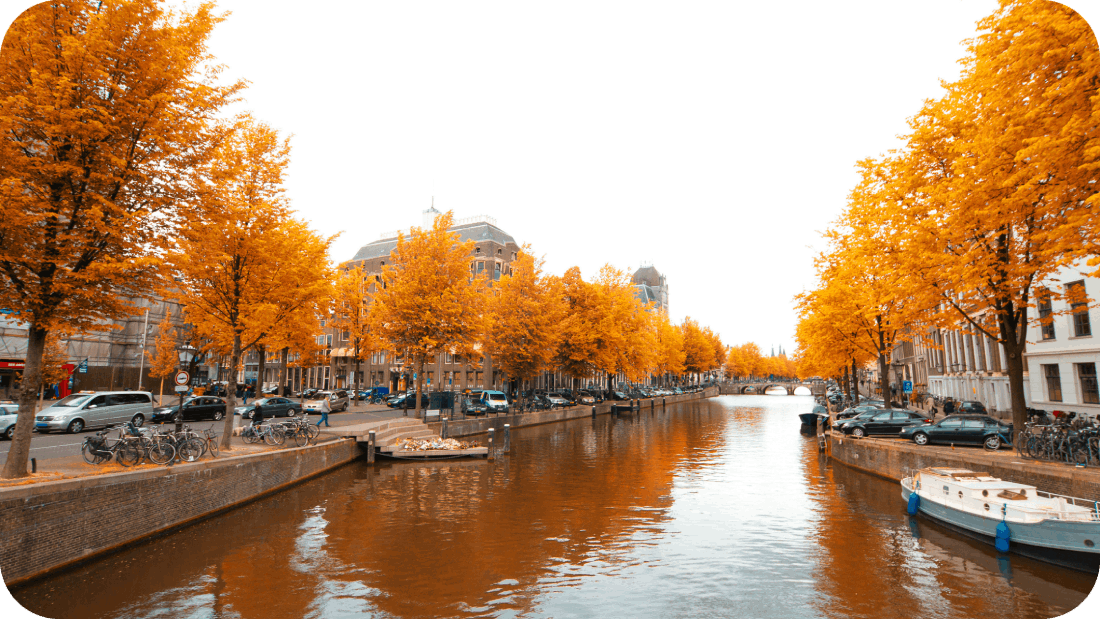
(76, 426)
(290, 412)
(858, 432)
(138, 420)
(992, 443)
(248, 414)
(10, 432)
(219, 415)
(920, 438)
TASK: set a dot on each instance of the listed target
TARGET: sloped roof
(647, 275)
(480, 231)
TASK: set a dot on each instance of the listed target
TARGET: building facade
(1063, 354)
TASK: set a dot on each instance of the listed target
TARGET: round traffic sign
(182, 378)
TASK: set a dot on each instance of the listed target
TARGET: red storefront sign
(12, 365)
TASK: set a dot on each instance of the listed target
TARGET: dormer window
(477, 250)
(500, 252)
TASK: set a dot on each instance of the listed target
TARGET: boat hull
(1053, 541)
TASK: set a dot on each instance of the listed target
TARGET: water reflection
(717, 508)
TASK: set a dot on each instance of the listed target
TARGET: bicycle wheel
(275, 436)
(161, 452)
(212, 446)
(90, 455)
(250, 435)
(301, 437)
(128, 454)
(313, 431)
(190, 450)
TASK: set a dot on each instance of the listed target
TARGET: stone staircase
(387, 432)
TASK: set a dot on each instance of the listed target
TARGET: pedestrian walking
(949, 407)
(325, 410)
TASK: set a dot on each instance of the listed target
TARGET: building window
(513, 255)
(477, 250)
(1079, 307)
(500, 252)
(480, 266)
(328, 340)
(322, 324)
(1054, 382)
(1046, 322)
(346, 335)
(1086, 376)
(497, 275)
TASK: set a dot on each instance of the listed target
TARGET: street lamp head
(187, 353)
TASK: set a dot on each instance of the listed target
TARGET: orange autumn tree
(107, 112)
(164, 359)
(670, 348)
(351, 307)
(995, 189)
(583, 349)
(431, 303)
(248, 268)
(525, 312)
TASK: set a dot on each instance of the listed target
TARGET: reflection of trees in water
(570, 496)
(871, 565)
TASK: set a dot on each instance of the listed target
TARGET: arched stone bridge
(760, 388)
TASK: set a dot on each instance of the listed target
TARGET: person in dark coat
(257, 415)
(949, 407)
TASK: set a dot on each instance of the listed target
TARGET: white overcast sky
(714, 140)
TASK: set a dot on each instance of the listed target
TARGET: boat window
(987, 507)
(985, 493)
(960, 494)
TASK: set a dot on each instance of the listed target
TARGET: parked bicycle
(270, 433)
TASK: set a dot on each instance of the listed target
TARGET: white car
(8, 415)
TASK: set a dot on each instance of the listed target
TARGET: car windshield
(73, 400)
(496, 396)
(264, 402)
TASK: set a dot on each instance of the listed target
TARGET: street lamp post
(186, 355)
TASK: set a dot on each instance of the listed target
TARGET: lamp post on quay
(183, 379)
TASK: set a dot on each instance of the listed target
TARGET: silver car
(8, 414)
(337, 401)
(95, 409)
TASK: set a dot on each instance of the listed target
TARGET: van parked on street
(95, 409)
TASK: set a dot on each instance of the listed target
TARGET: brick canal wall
(894, 459)
(51, 525)
(471, 427)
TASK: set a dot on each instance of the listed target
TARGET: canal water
(714, 508)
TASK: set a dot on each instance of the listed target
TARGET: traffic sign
(182, 378)
(182, 388)
(83, 367)
(907, 386)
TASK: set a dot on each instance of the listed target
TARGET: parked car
(8, 415)
(495, 401)
(474, 406)
(970, 407)
(962, 430)
(841, 424)
(886, 421)
(273, 407)
(585, 399)
(194, 409)
(854, 411)
(399, 401)
(92, 409)
(617, 395)
(556, 400)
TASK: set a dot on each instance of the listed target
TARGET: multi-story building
(968, 365)
(651, 287)
(493, 253)
(1063, 354)
(108, 358)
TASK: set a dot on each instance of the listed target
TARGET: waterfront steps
(387, 432)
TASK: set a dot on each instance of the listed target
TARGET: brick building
(651, 287)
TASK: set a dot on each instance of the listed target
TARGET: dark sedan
(842, 424)
(854, 411)
(886, 421)
(963, 430)
(194, 409)
(971, 407)
(273, 407)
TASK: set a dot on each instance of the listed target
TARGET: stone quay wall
(52, 525)
(482, 425)
(894, 459)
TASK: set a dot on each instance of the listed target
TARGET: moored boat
(1016, 517)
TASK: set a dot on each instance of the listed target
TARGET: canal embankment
(49, 526)
(895, 459)
(482, 425)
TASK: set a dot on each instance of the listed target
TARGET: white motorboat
(1019, 518)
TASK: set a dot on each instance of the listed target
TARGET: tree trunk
(18, 455)
(356, 377)
(855, 382)
(847, 385)
(231, 393)
(260, 370)
(282, 371)
(419, 377)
